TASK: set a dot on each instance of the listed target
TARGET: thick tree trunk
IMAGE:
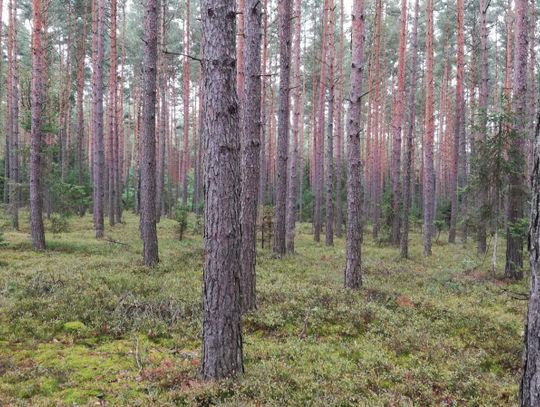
(222, 336)
(529, 391)
(516, 192)
(36, 204)
(284, 16)
(251, 134)
(353, 268)
(148, 141)
(428, 181)
(407, 176)
(97, 101)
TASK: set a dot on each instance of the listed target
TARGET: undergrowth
(85, 323)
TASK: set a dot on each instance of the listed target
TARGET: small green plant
(3, 242)
(181, 216)
(59, 224)
(439, 225)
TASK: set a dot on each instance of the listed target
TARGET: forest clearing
(423, 331)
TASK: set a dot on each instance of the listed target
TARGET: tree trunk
(251, 134)
(284, 16)
(428, 181)
(13, 125)
(353, 268)
(293, 170)
(398, 119)
(148, 141)
(113, 126)
(339, 129)
(36, 204)
(529, 392)
(329, 238)
(186, 78)
(222, 336)
(98, 34)
(319, 136)
(80, 107)
(407, 177)
(516, 192)
(483, 207)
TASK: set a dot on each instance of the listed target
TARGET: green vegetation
(84, 321)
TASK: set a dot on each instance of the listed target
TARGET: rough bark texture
(251, 134)
(222, 335)
(293, 170)
(407, 176)
(529, 392)
(97, 114)
(353, 268)
(148, 141)
(516, 192)
(36, 202)
(398, 119)
(284, 16)
(428, 190)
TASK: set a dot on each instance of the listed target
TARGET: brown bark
(353, 268)
(98, 10)
(251, 134)
(482, 132)
(339, 126)
(428, 180)
(284, 16)
(407, 176)
(36, 202)
(529, 391)
(397, 128)
(330, 172)
(222, 335)
(516, 192)
(148, 141)
(113, 126)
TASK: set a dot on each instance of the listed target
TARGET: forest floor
(84, 323)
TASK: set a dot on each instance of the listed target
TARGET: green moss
(85, 320)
